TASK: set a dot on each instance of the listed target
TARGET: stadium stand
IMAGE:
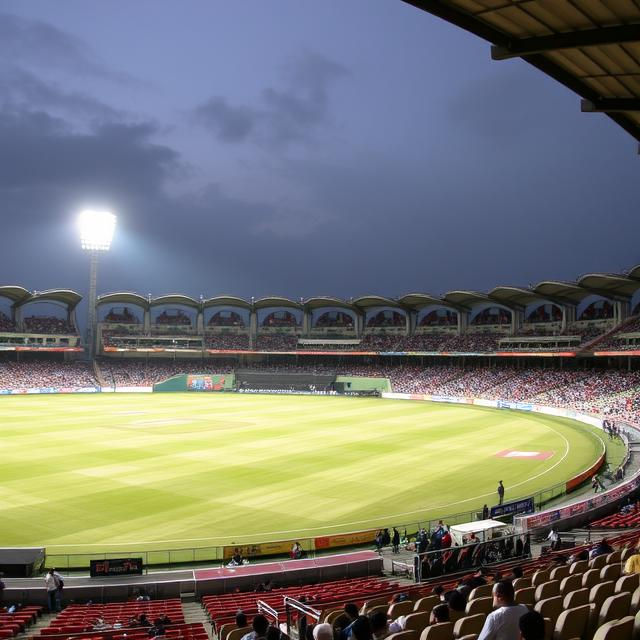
(47, 324)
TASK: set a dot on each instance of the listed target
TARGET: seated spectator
(439, 613)
(601, 549)
(297, 551)
(260, 627)
(531, 626)
(503, 622)
(323, 631)
(344, 621)
(361, 629)
(632, 565)
(379, 625)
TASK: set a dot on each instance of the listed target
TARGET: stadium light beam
(96, 233)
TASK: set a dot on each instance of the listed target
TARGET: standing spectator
(554, 538)
(485, 512)
(500, 492)
(53, 585)
(395, 540)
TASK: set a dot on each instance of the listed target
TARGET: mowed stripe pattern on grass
(196, 469)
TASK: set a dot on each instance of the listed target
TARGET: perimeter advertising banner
(281, 548)
(345, 540)
(115, 567)
(205, 382)
(512, 508)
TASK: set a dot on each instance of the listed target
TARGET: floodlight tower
(96, 232)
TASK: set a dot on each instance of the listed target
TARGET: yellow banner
(346, 539)
(263, 549)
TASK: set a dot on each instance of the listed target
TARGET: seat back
(468, 624)
(616, 629)
(540, 576)
(611, 571)
(598, 562)
(439, 631)
(576, 598)
(398, 609)
(236, 634)
(479, 605)
(599, 593)
(377, 609)
(580, 566)
(591, 578)
(416, 621)
(547, 590)
(634, 607)
(615, 557)
(404, 635)
(521, 583)
(614, 608)
(550, 608)
(627, 583)
(626, 553)
(570, 583)
(481, 591)
(427, 603)
(559, 572)
(374, 602)
(526, 596)
(224, 629)
(572, 623)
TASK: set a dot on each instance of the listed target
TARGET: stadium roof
(609, 285)
(227, 301)
(562, 292)
(319, 302)
(590, 46)
(365, 302)
(123, 298)
(466, 299)
(634, 272)
(14, 293)
(420, 300)
(175, 298)
(64, 296)
(276, 301)
(515, 296)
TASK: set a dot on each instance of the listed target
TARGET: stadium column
(91, 312)
(253, 327)
(305, 322)
(463, 320)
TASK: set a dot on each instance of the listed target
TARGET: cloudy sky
(296, 148)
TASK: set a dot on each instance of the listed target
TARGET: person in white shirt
(503, 622)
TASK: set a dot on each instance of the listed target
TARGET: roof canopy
(466, 299)
(14, 293)
(590, 46)
(609, 285)
(276, 301)
(366, 302)
(62, 296)
(226, 301)
(123, 298)
(562, 292)
(320, 302)
(515, 296)
(175, 298)
(421, 300)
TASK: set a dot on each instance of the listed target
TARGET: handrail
(263, 607)
(305, 609)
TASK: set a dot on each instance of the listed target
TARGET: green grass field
(187, 470)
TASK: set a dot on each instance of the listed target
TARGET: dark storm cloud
(19, 87)
(33, 42)
(283, 115)
(37, 149)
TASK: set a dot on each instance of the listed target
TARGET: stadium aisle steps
(194, 613)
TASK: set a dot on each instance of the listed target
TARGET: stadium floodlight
(96, 230)
(96, 233)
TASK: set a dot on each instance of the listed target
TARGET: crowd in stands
(6, 323)
(276, 342)
(627, 338)
(144, 373)
(226, 319)
(45, 373)
(387, 318)
(280, 319)
(439, 318)
(492, 316)
(334, 319)
(380, 342)
(331, 346)
(176, 317)
(47, 324)
(227, 341)
(121, 315)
